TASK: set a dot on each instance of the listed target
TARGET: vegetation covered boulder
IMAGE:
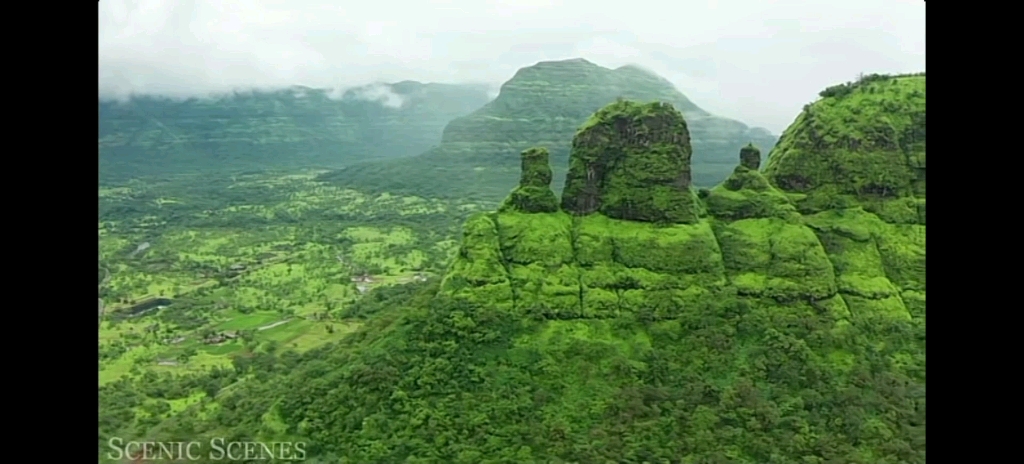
(632, 161)
(534, 195)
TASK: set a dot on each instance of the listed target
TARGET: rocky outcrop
(750, 157)
(747, 194)
(533, 195)
(632, 161)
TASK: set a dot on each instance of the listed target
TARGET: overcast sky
(758, 61)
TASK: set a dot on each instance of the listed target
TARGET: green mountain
(543, 105)
(296, 127)
(777, 317)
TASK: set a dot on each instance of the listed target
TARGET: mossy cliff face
(632, 161)
(533, 195)
(536, 170)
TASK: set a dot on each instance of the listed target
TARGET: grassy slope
(279, 129)
(775, 329)
(544, 105)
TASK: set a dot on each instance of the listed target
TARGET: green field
(266, 258)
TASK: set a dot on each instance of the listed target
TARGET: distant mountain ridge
(543, 105)
(294, 127)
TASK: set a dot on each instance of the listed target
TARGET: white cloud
(374, 92)
(754, 60)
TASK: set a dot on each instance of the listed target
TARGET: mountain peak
(635, 67)
(570, 61)
(575, 68)
(543, 105)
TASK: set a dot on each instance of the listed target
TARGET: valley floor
(198, 271)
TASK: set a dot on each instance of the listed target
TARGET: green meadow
(250, 263)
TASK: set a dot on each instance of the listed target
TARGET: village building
(221, 337)
(363, 279)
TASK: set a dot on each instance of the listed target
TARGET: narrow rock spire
(750, 157)
(533, 195)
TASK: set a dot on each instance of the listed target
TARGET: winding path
(271, 326)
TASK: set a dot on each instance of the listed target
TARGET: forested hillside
(298, 127)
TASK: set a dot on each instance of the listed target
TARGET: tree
(187, 354)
